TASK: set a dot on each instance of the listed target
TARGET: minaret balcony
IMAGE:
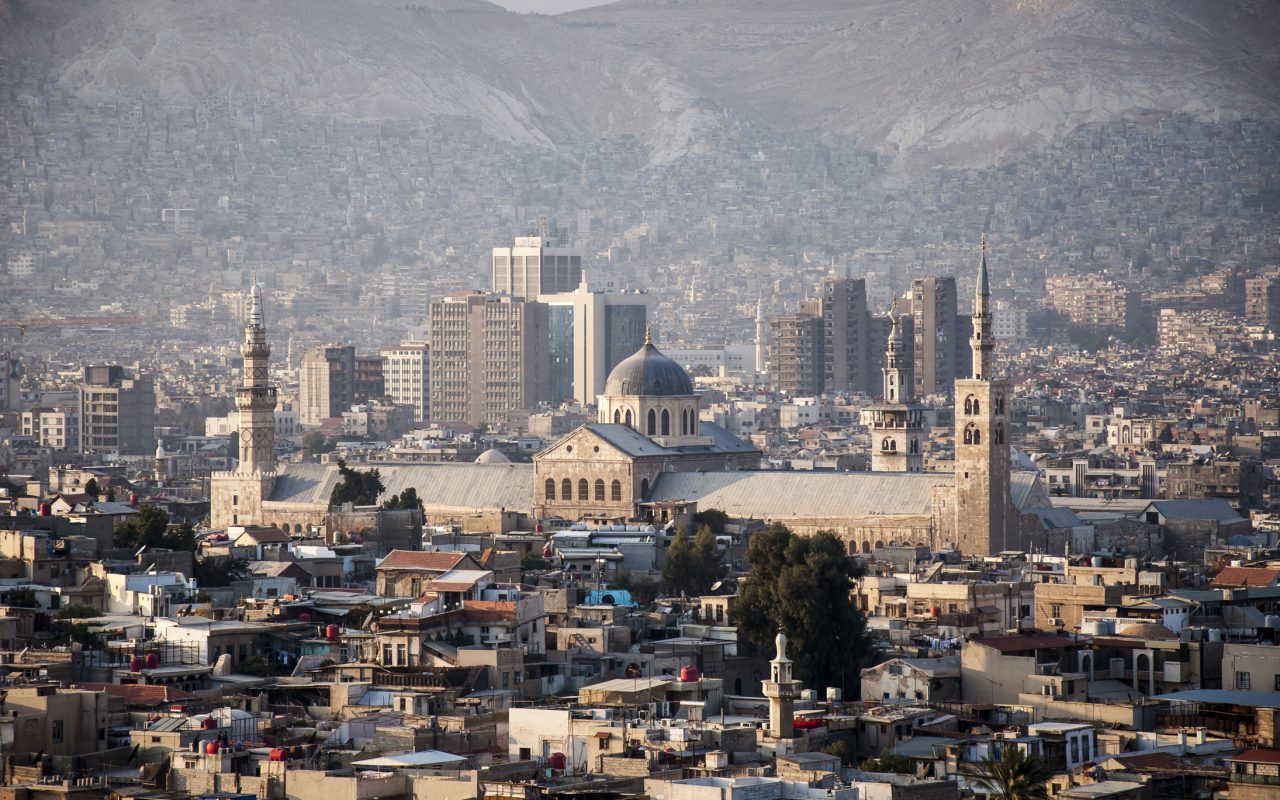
(256, 397)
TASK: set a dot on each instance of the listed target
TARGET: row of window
(584, 490)
(659, 425)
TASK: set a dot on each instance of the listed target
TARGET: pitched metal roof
(782, 494)
(441, 486)
(1214, 508)
(634, 443)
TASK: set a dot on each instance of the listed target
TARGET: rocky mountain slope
(965, 81)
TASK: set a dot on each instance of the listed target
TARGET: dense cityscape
(390, 459)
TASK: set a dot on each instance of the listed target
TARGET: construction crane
(21, 325)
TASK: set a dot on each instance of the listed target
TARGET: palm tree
(1012, 775)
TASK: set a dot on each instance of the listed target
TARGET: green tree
(219, 571)
(150, 527)
(1012, 775)
(405, 501)
(712, 517)
(314, 443)
(91, 488)
(78, 611)
(889, 762)
(692, 567)
(533, 561)
(360, 488)
(22, 597)
(802, 585)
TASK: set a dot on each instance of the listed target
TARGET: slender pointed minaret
(782, 692)
(762, 328)
(236, 497)
(897, 427)
(985, 523)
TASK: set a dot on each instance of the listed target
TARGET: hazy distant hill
(963, 80)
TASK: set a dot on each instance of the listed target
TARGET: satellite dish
(715, 587)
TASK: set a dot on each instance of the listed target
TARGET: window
(1278, 683)
(566, 489)
(599, 489)
(551, 489)
(1243, 681)
(56, 734)
(666, 422)
(653, 422)
(615, 491)
(582, 489)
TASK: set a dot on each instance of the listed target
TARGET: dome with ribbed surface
(648, 373)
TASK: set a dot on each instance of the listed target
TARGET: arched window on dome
(599, 489)
(566, 489)
(693, 422)
(551, 489)
(653, 422)
(684, 422)
(615, 491)
(583, 491)
(666, 422)
(627, 421)
(617, 416)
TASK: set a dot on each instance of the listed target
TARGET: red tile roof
(1245, 576)
(1265, 755)
(1144, 762)
(139, 694)
(1022, 642)
(430, 560)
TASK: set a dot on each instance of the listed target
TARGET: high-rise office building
(369, 383)
(488, 357)
(1261, 300)
(535, 266)
(941, 352)
(117, 412)
(590, 333)
(10, 382)
(797, 361)
(847, 352)
(405, 373)
(326, 383)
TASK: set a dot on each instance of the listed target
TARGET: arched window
(893, 446)
(684, 422)
(617, 416)
(653, 422)
(968, 435)
(627, 422)
(615, 491)
(583, 493)
(693, 422)
(566, 489)
(968, 405)
(977, 436)
(891, 395)
(884, 445)
(999, 434)
(599, 489)
(551, 489)
(915, 445)
(644, 488)
(977, 406)
(666, 422)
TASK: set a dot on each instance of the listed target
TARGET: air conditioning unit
(1056, 622)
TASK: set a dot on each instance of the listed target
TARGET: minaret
(782, 692)
(761, 328)
(985, 519)
(897, 427)
(256, 397)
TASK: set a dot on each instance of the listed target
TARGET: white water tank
(1215, 634)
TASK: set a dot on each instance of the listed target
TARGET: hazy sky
(548, 6)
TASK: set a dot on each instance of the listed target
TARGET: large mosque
(650, 455)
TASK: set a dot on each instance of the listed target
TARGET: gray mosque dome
(648, 373)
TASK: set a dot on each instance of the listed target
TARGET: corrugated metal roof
(1214, 508)
(441, 486)
(634, 443)
(777, 495)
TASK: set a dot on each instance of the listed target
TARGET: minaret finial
(982, 242)
(648, 333)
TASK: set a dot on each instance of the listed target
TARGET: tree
(22, 597)
(802, 585)
(692, 567)
(712, 517)
(78, 611)
(219, 571)
(359, 488)
(1012, 775)
(91, 488)
(314, 443)
(150, 527)
(407, 500)
(889, 762)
